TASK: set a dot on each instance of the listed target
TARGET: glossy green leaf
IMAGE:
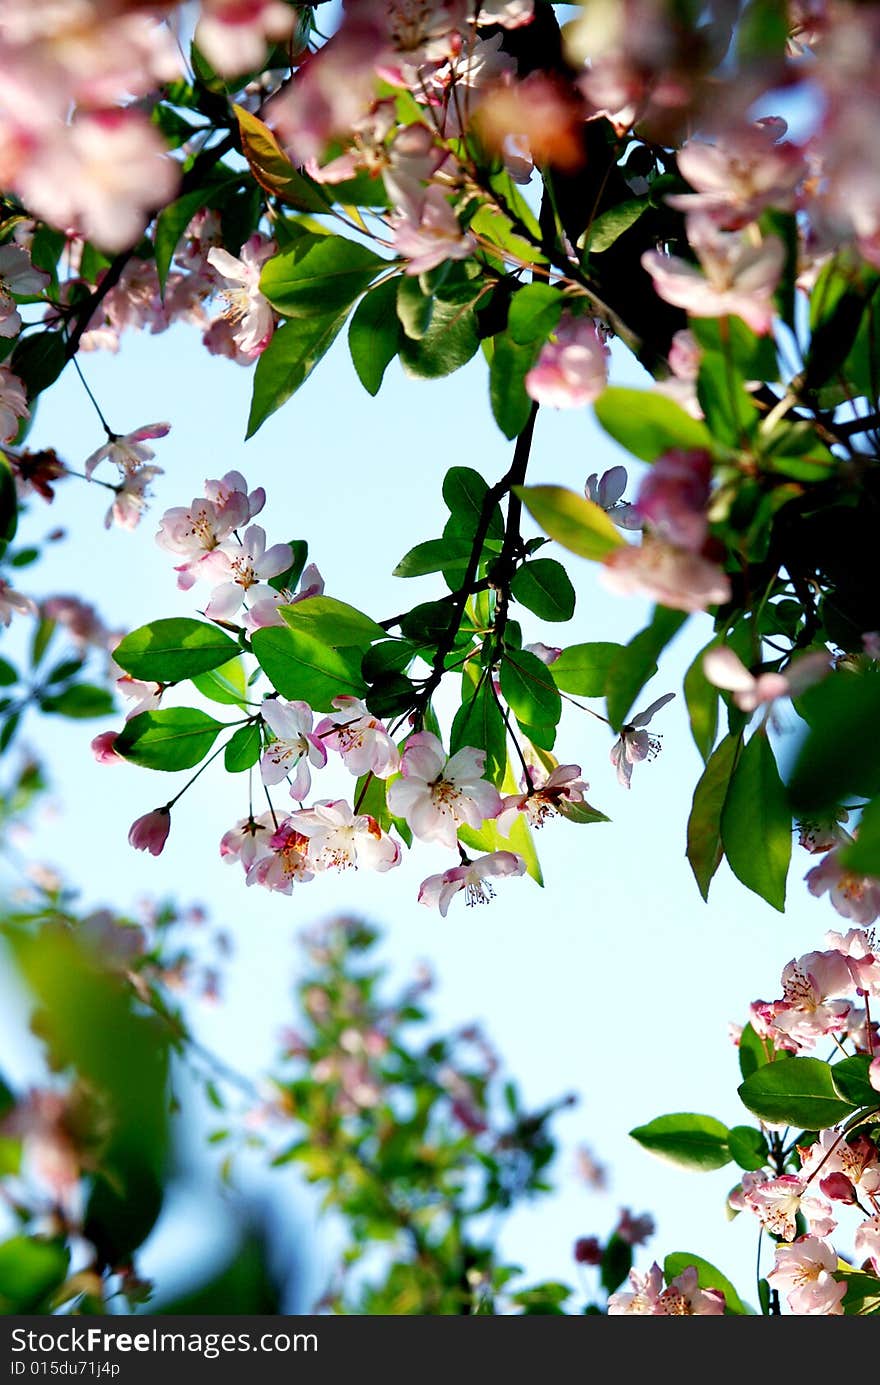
(708, 1277)
(862, 1298)
(842, 711)
(302, 667)
(375, 334)
(167, 651)
(435, 555)
(226, 684)
(602, 233)
(704, 848)
(581, 813)
(8, 504)
(171, 223)
(528, 688)
(637, 663)
(318, 276)
(753, 357)
(730, 411)
(702, 700)
(449, 343)
(863, 855)
(288, 361)
(573, 521)
(464, 491)
(684, 1138)
(748, 1147)
(479, 723)
(753, 1051)
(648, 424)
(534, 311)
(544, 586)
(30, 1269)
(243, 749)
(799, 1092)
(756, 823)
(616, 1263)
(414, 307)
(333, 622)
(850, 1079)
(38, 361)
(169, 739)
(584, 668)
(511, 362)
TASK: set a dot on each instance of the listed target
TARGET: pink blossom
(735, 277)
(874, 1073)
(293, 748)
(13, 404)
(438, 891)
(235, 34)
(413, 158)
(548, 794)
(634, 1230)
(248, 840)
(360, 738)
(81, 621)
(776, 1203)
(855, 1160)
(340, 839)
(674, 496)
(17, 277)
(266, 610)
(127, 451)
(606, 491)
(246, 306)
(572, 367)
(858, 947)
(634, 744)
(432, 238)
(807, 1010)
(740, 175)
(437, 795)
(131, 497)
(103, 748)
(103, 175)
(588, 1250)
(193, 532)
(671, 576)
(725, 669)
(150, 833)
(642, 1296)
(246, 568)
(867, 1241)
(683, 1297)
(547, 653)
(285, 863)
(804, 1272)
(143, 696)
(14, 602)
(856, 897)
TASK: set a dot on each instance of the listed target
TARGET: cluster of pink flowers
(682, 1297)
(816, 995)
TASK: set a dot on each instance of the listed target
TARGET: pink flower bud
(838, 1188)
(150, 833)
(588, 1251)
(103, 748)
(874, 1074)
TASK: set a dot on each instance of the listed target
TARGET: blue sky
(615, 981)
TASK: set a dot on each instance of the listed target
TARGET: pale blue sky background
(615, 981)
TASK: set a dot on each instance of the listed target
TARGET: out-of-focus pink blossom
(17, 278)
(856, 897)
(246, 307)
(437, 795)
(13, 602)
(13, 404)
(572, 367)
(673, 498)
(432, 238)
(874, 1073)
(606, 491)
(804, 1272)
(234, 34)
(634, 1230)
(735, 277)
(588, 1250)
(725, 669)
(672, 576)
(150, 832)
(438, 891)
(741, 174)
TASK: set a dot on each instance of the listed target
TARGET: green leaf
(374, 335)
(8, 674)
(637, 662)
(842, 712)
(226, 684)
(691, 1141)
(748, 1147)
(167, 651)
(702, 699)
(708, 1277)
(606, 229)
(616, 1263)
(850, 1079)
(288, 361)
(534, 311)
(510, 364)
(529, 690)
(273, 170)
(862, 1298)
(8, 504)
(798, 1091)
(169, 739)
(333, 622)
(863, 855)
(80, 701)
(243, 749)
(319, 276)
(435, 555)
(704, 849)
(752, 1051)
(30, 1269)
(287, 580)
(756, 823)
(843, 291)
(573, 521)
(479, 723)
(754, 357)
(302, 667)
(584, 668)
(731, 412)
(171, 223)
(544, 586)
(449, 343)
(38, 361)
(582, 813)
(648, 424)
(464, 491)
(413, 307)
